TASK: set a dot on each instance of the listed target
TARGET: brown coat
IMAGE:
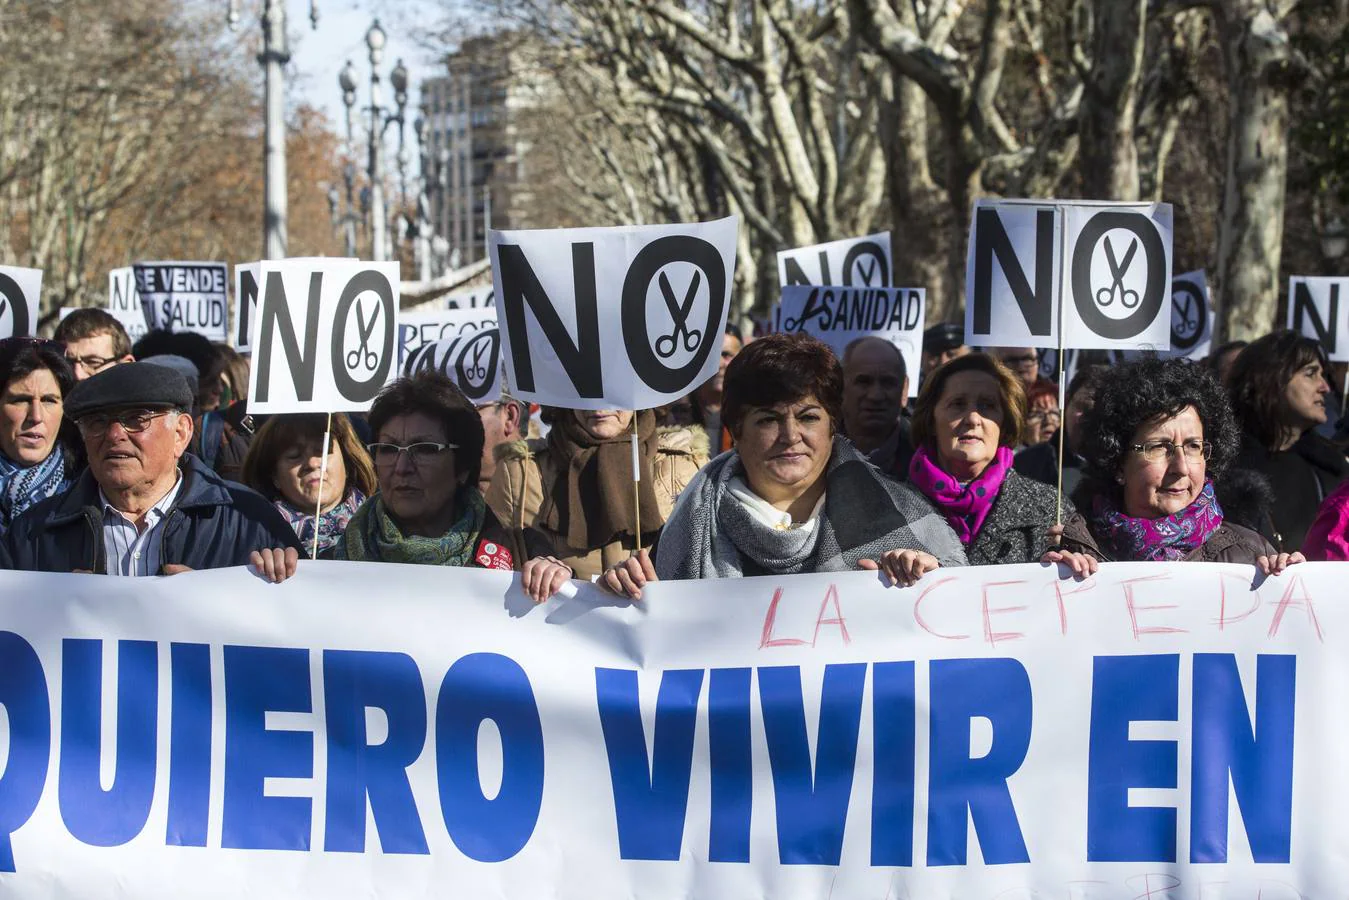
(526, 471)
(1231, 543)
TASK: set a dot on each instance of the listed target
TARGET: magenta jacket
(1328, 538)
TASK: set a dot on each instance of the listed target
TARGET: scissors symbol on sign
(476, 371)
(364, 331)
(666, 345)
(1188, 321)
(1129, 298)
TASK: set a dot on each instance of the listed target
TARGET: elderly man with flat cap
(145, 506)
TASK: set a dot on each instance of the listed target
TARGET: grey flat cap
(129, 385)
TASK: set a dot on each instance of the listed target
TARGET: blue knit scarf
(21, 487)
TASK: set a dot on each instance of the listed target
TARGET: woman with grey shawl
(793, 496)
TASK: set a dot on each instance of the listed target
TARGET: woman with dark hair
(1279, 392)
(969, 415)
(1159, 434)
(284, 463)
(38, 447)
(793, 496)
(428, 510)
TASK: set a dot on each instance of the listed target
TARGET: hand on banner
(630, 576)
(1273, 565)
(1081, 564)
(543, 576)
(275, 564)
(902, 567)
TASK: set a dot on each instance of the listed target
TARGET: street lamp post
(346, 79)
(273, 58)
(380, 120)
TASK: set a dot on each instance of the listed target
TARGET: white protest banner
(662, 293)
(1100, 270)
(1192, 316)
(20, 299)
(245, 305)
(1315, 311)
(185, 296)
(478, 299)
(462, 344)
(124, 302)
(1161, 730)
(323, 335)
(840, 315)
(861, 261)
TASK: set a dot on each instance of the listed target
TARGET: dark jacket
(507, 549)
(1015, 530)
(893, 457)
(1300, 477)
(1231, 543)
(214, 524)
(1041, 462)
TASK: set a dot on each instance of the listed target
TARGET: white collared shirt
(133, 550)
(765, 512)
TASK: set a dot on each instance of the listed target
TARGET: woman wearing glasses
(428, 510)
(38, 448)
(285, 462)
(1159, 434)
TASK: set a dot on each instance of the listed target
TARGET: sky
(318, 55)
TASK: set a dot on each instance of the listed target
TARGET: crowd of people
(143, 460)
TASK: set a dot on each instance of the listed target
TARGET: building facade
(477, 144)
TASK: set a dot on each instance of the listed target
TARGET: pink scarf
(965, 507)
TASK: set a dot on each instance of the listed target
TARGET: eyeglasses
(1044, 415)
(133, 421)
(90, 363)
(1156, 451)
(422, 452)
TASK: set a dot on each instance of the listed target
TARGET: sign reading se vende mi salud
(1162, 730)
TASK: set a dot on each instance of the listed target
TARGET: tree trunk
(1107, 155)
(1250, 237)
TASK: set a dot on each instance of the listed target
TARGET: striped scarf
(21, 487)
(331, 524)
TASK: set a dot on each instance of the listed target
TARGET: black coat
(1015, 530)
(214, 524)
(1300, 478)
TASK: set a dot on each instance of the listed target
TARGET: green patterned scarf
(372, 536)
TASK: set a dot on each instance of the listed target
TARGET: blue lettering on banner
(259, 680)
(812, 804)
(1128, 689)
(23, 693)
(108, 818)
(477, 687)
(1260, 760)
(893, 708)
(962, 690)
(732, 762)
(1249, 745)
(651, 797)
(189, 745)
(354, 681)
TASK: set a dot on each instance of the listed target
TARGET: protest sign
(324, 335)
(20, 299)
(840, 315)
(462, 344)
(1192, 316)
(1099, 271)
(858, 262)
(245, 305)
(478, 299)
(124, 302)
(662, 292)
(1317, 309)
(185, 296)
(1159, 730)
